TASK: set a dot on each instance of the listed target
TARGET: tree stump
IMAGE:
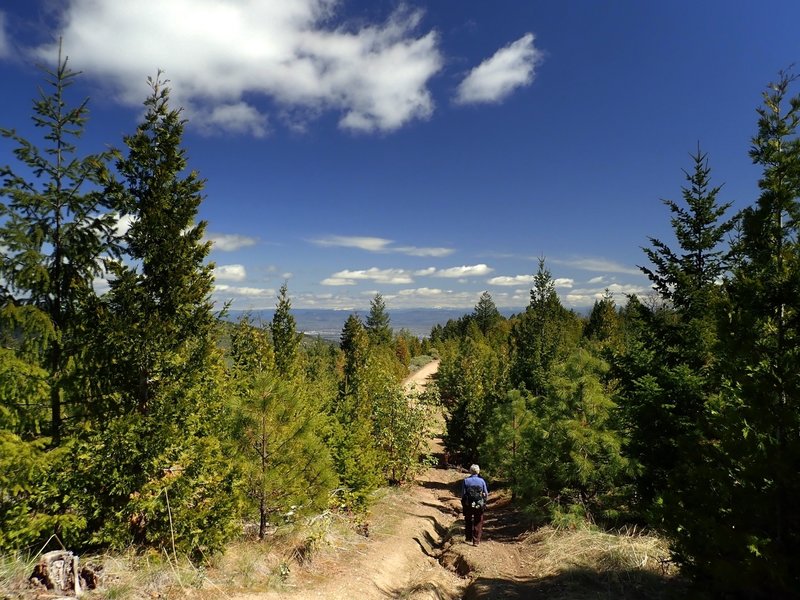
(58, 571)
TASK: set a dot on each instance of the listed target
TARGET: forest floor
(411, 546)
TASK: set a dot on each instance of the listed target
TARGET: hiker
(474, 494)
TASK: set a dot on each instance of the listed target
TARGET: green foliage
(573, 445)
(603, 325)
(506, 438)
(55, 235)
(542, 335)
(686, 277)
(760, 346)
(285, 339)
(472, 378)
(486, 315)
(26, 516)
(402, 427)
(278, 427)
(356, 456)
(378, 329)
(164, 392)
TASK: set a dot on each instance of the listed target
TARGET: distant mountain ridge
(328, 323)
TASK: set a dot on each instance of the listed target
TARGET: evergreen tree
(667, 368)
(378, 329)
(506, 438)
(760, 344)
(485, 314)
(55, 230)
(603, 323)
(543, 334)
(250, 347)
(278, 426)
(166, 474)
(27, 514)
(285, 338)
(355, 453)
(688, 277)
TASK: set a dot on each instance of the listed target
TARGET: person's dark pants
(473, 524)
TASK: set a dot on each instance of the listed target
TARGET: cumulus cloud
(598, 265)
(232, 291)
(379, 245)
(230, 272)
(390, 276)
(228, 242)
(497, 77)
(226, 60)
(511, 280)
(599, 279)
(238, 117)
(423, 291)
(463, 271)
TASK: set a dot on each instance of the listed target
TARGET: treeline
(680, 410)
(136, 416)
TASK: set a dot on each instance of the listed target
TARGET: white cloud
(511, 280)
(425, 272)
(463, 271)
(287, 275)
(226, 59)
(389, 276)
(594, 280)
(434, 252)
(227, 242)
(232, 291)
(370, 244)
(598, 265)
(379, 245)
(563, 282)
(238, 117)
(497, 77)
(230, 272)
(5, 47)
(423, 291)
(123, 224)
(337, 281)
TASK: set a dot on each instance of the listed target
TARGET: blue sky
(425, 150)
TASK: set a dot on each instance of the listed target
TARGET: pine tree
(352, 440)
(667, 369)
(485, 314)
(544, 333)
(686, 278)
(603, 324)
(760, 344)
(285, 338)
(27, 514)
(168, 474)
(354, 345)
(278, 427)
(378, 329)
(55, 231)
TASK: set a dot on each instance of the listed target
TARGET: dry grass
(247, 565)
(627, 551)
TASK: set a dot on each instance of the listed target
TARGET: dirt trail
(415, 548)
